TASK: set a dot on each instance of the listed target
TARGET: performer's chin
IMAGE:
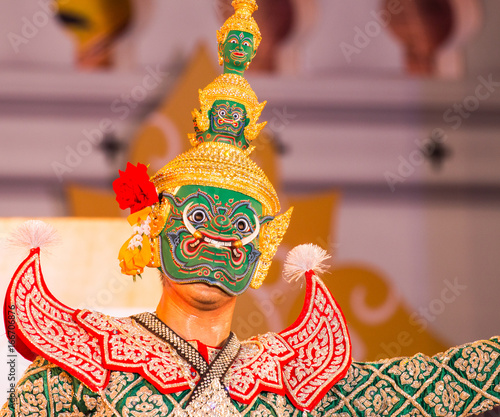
(199, 295)
(208, 297)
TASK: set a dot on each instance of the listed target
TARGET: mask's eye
(233, 41)
(222, 113)
(236, 116)
(243, 225)
(246, 43)
(198, 216)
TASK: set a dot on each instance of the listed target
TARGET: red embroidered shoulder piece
(46, 327)
(321, 340)
(303, 362)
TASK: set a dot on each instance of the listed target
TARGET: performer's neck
(197, 312)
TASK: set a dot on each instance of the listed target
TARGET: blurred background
(383, 122)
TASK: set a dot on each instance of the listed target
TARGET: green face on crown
(237, 51)
(211, 236)
(228, 120)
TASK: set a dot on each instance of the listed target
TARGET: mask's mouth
(232, 244)
(238, 54)
(222, 121)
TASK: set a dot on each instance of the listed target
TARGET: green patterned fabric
(459, 382)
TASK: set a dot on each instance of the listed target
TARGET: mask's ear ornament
(158, 216)
(271, 236)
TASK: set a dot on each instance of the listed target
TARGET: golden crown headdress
(219, 164)
(230, 87)
(241, 20)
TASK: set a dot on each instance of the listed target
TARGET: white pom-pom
(33, 234)
(304, 258)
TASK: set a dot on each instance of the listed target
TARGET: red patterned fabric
(303, 362)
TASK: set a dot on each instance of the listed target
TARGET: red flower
(133, 189)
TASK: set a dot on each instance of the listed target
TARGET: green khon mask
(228, 120)
(237, 51)
(211, 236)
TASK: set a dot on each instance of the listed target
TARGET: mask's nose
(222, 224)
